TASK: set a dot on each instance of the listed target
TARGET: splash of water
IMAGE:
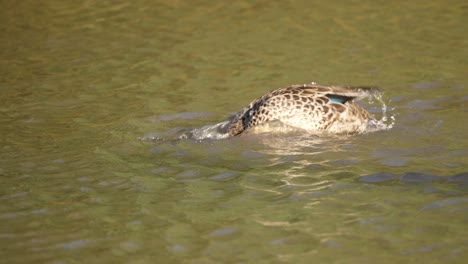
(216, 131)
(387, 120)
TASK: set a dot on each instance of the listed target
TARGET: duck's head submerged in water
(315, 108)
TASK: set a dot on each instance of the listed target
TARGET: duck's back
(315, 108)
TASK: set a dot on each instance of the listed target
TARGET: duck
(317, 109)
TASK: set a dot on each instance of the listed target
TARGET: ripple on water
(224, 232)
(189, 175)
(226, 176)
(178, 248)
(183, 116)
(72, 245)
(426, 104)
(130, 247)
(377, 177)
(414, 177)
(462, 177)
(426, 85)
(448, 202)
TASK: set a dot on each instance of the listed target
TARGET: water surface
(81, 82)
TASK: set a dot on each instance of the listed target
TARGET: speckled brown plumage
(315, 108)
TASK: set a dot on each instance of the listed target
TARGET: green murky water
(80, 82)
